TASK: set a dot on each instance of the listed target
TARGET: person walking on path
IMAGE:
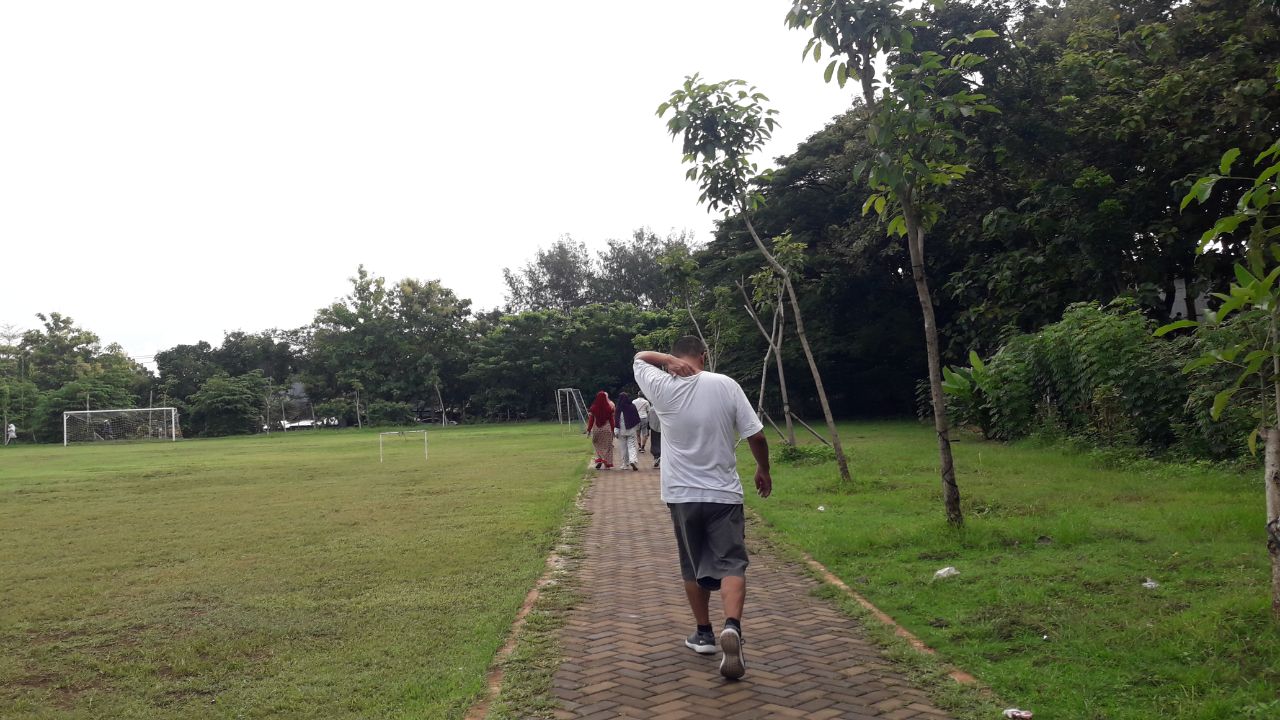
(10, 434)
(703, 414)
(600, 426)
(628, 423)
(642, 433)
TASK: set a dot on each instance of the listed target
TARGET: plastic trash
(945, 573)
(1150, 584)
(822, 508)
(1016, 714)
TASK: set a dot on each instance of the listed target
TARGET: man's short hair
(688, 346)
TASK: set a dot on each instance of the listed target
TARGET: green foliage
(1097, 373)
(805, 454)
(967, 390)
(227, 405)
(382, 412)
(720, 125)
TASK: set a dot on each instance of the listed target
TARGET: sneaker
(732, 665)
(703, 643)
(633, 467)
(599, 465)
(656, 462)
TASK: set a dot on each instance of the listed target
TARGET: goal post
(569, 402)
(404, 435)
(159, 423)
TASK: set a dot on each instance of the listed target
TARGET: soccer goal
(569, 403)
(404, 436)
(102, 425)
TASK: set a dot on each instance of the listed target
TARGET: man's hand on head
(679, 367)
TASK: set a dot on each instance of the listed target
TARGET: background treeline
(1108, 112)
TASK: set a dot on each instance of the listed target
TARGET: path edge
(518, 682)
(950, 687)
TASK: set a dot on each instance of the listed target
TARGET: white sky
(172, 170)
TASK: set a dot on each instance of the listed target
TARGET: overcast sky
(173, 170)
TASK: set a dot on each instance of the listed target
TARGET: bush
(1101, 377)
(229, 405)
(380, 412)
(805, 454)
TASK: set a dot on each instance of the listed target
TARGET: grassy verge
(1049, 609)
(529, 671)
(284, 576)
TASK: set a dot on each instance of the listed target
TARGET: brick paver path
(624, 644)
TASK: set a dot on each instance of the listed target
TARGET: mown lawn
(1049, 608)
(277, 576)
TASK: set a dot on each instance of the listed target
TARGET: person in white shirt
(10, 434)
(642, 407)
(703, 415)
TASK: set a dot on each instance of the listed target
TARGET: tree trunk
(774, 339)
(1272, 481)
(782, 377)
(915, 243)
(841, 462)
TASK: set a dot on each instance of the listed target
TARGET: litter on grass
(1150, 584)
(1016, 714)
(945, 573)
(822, 508)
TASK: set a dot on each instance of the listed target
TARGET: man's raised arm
(676, 366)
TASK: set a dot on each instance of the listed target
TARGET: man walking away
(702, 415)
(642, 407)
(10, 434)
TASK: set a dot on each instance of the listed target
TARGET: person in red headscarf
(600, 425)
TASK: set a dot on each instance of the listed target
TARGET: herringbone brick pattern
(624, 644)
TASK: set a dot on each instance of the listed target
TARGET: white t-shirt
(642, 407)
(702, 418)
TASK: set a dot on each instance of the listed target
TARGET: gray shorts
(711, 540)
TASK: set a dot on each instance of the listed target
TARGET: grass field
(1049, 608)
(289, 575)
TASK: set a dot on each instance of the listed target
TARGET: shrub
(380, 412)
(805, 454)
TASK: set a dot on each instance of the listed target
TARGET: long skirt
(602, 441)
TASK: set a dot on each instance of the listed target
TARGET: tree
(1255, 298)
(59, 352)
(183, 369)
(630, 271)
(227, 405)
(558, 278)
(721, 125)
(919, 144)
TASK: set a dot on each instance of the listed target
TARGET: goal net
(105, 425)
(569, 403)
(397, 440)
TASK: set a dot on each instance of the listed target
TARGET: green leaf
(831, 69)
(1229, 157)
(1220, 402)
(1202, 361)
(1200, 191)
(866, 206)
(898, 226)
(1175, 325)
(1253, 442)
(976, 361)
(1243, 276)
(879, 206)
(982, 34)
